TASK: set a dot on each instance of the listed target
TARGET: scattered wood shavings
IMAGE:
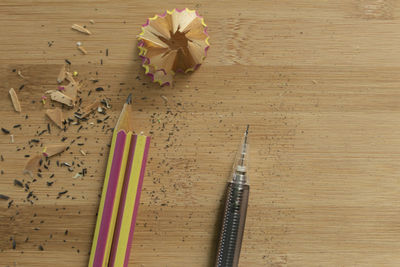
(15, 101)
(56, 116)
(81, 29)
(90, 108)
(60, 97)
(82, 49)
(77, 175)
(12, 138)
(31, 165)
(53, 149)
(92, 21)
(62, 74)
(82, 152)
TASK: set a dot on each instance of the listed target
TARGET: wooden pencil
(129, 204)
(110, 198)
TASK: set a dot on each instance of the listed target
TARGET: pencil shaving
(14, 99)
(61, 98)
(81, 29)
(31, 165)
(164, 98)
(62, 74)
(82, 49)
(71, 91)
(56, 116)
(70, 78)
(53, 149)
(20, 75)
(176, 41)
(90, 108)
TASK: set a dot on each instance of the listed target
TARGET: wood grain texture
(316, 80)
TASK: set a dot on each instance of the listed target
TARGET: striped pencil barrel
(110, 197)
(129, 203)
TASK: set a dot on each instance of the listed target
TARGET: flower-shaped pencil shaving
(176, 41)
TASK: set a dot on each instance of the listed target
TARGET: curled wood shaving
(53, 149)
(91, 21)
(12, 138)
(31, 165)
(60, 97)
(82, 152)
(15, 101)
(56, 116)
(81, 29)
(82, 49)
(62, 74)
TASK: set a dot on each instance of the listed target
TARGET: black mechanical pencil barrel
(230, 240)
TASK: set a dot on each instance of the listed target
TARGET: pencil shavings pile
(176, 41)
(66, 94)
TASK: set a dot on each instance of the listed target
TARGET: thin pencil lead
(129, 99)
(245, 134)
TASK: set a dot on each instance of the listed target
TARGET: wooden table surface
(318, 82)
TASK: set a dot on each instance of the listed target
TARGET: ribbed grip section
(233, 225)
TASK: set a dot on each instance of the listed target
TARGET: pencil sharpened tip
(129, 99)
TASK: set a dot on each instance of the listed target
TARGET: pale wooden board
(317, 81)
